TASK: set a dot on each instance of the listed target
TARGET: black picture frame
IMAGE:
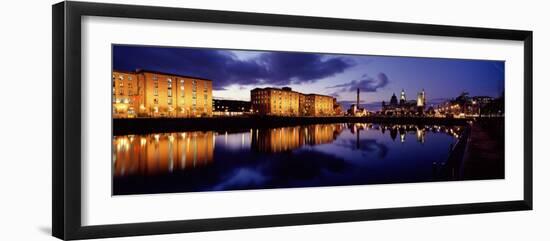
(66, 152)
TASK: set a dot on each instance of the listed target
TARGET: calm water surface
(298, 156)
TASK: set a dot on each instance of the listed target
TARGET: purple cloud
(365, 84)
(225, 68)
(284, 67)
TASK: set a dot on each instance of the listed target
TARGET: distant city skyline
(235, 72)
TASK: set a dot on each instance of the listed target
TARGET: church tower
(421, 101)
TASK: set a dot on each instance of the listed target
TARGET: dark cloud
(225, 68)
(284, 67)
(365, 84)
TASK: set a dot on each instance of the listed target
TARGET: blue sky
(235, 72)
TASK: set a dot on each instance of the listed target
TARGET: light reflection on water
(159, 153)
(298, 156)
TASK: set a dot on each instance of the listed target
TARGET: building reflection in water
(420, 131)
(161, 153)
(289, 138)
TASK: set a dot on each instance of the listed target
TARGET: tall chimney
(357, 97)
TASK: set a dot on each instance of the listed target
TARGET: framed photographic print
(170, 120)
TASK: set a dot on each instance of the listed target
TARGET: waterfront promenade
(478, 153)
(485, 152)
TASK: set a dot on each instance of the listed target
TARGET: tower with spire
(421, 101)
(400, 106)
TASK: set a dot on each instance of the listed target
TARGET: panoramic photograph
(202, 119)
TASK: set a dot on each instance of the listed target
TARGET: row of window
(156, 85)
(121, 85)
(182, 87)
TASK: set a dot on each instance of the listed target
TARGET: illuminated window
(182, 88)
(130, 87)
(114, 90)
(205, 100)
(170, 88)
(155, 86)
(121, 86)
(194, 90)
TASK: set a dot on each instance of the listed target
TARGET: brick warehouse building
(145, 93)
(274, 101)
(286, 102)
(318, 105)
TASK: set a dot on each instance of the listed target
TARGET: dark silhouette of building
(466, 106)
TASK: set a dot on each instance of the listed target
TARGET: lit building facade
(274, 101)
(286, 102)
(155, 94)
(318, 105)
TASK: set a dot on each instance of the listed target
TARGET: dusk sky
(235, 72)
